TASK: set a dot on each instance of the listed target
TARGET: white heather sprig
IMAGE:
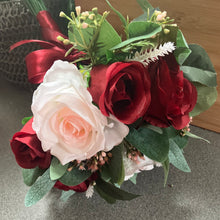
(90, 191)
(147, 56)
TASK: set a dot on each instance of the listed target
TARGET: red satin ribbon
(39, 61)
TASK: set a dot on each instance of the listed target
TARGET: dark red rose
(82, 187)
(172, 96)
(27, 149)
(121, 89)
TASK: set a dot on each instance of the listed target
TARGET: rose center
(123, 93)
(69, 126)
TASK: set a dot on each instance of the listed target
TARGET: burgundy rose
(121, 89)
(82, 187)
(27, 149)
(172, 96)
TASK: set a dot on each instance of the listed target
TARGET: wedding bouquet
(106, 108)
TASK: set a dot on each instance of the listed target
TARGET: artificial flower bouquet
(106, 108)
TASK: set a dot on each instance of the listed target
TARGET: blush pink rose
(65, 119)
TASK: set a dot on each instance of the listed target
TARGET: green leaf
(116, 166)
(154, 128)
(122, 18)
(166, 167)
(145, 5)
(171, 37)
(115, 57)
(177, 158)
(113, 191)
(198, 67)
(196, 137)
(105, 173)
(40, 188)
(203, 77)
(143, 28)
(106, 38)
(57, 170)
(75, 177)
(150, 143)
(181, 141)
(31, 175)
(66, 195)
(25, 120)
(105, 196)
(174, 134)
(149, 28)
(199, 59)
(206, 97)
(171, 132)
(182, 49)
(133, 179)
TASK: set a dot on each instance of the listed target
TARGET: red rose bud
(121, 89)
(27, 149)
(173, 96)
(82, 187)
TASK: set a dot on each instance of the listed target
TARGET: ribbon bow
(39, 61)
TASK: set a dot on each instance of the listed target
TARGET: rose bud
(27, 149)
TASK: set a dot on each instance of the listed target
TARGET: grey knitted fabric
(16, 24)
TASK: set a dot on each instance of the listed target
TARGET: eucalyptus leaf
(199, 59)
(181, 141)
(40, 188)
(154, 128)
(75, 177)
(57, 170)
(148, 10)
(182, 49)
(201, 76)
(150, 143)
(177, 158)
(66, 195)
(171, 132)
(206, 97)
(166, 168)
(145, 5)
(189, 134)
(31, 175)
(114, 192)
(133, 179)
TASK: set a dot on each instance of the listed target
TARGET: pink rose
(65, 119)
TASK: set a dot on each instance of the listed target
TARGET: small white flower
(90, 192)
(131, 167)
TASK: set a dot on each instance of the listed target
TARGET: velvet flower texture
(65, 119)
(121, 89)
(27, 149)
(173, 96)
